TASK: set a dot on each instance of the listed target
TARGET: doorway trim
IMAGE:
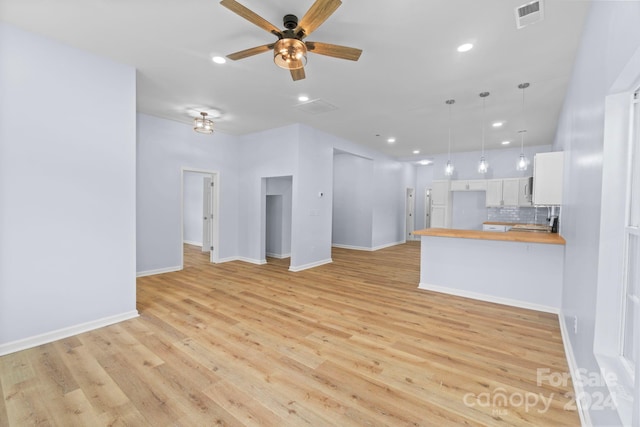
(215, 254)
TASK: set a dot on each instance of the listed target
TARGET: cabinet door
(547, 177)
(494, 192)
(439, 216)
(524, 193)
(477, 185)
(440, 193)
(459, 185)
(510, 191)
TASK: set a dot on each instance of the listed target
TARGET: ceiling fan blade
(342, 52)
(316, 15)
(250, 52)
(250, 16)
(298, 74)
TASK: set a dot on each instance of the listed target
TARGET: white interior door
(410, 212)
(207, 214)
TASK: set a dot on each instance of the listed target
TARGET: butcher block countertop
(509, 236)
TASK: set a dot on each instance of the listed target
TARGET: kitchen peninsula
(518, 268)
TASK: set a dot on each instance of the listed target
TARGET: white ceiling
(408, 68)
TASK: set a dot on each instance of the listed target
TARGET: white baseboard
(310, 265)
(158, 271)
(365, 248)
(578, 389)
(59, 334)
(243, 259)
(388, 245)
(354, 248)
(489, 298)
(192, 243)
(252, 261)
(278, 256)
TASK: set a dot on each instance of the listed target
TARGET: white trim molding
(192, 243)
(578, 388)
(23, 344)
(488, 298)
(158, 271)
(365, 248)
(278, 256)
(295, 269)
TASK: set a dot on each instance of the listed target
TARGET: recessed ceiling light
(391, 140)
(465, 47)
(506, 142)
(416, 151)
(218, 59)
(425, 162)
(303, 98)
(497, 124)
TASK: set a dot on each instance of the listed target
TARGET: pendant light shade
(483, 165)
(202, 124)
(523, 162)
(448, 169)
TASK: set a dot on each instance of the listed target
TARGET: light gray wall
(164, 148)
(272, 153)
(283, 188)
(67, 187)
(192, 202)
(610, 38)
(352, 200)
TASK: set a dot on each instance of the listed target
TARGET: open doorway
(278, 207)
(199, 210)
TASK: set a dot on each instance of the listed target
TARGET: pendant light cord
(450, 102)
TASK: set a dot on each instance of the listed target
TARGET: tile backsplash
(518, 215)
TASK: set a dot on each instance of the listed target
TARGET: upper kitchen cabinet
(509, 192)
(469, 185)
(547, 178)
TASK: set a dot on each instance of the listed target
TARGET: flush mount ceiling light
(391, 140)
(448, 169)
(497, 124)
(303, 98)
(506, 142)
(466, 47)
(290, 54)
(202, 124)
(483, 165)
(416, 151)
(523, 162)
(218, 60)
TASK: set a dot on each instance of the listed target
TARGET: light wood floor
(352, 343)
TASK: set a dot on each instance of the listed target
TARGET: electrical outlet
(575, 324)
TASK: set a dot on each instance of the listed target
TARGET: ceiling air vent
(317, 106)
(529, 13)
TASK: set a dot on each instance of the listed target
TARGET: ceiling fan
(290, 50)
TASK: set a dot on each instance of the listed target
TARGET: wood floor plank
(350, 343)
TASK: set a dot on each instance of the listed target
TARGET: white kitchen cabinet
(547, 178)
(469, 185)
(509, 192)
(525, 191)
(441, 204)
(494, 193)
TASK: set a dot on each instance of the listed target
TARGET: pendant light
(523, 162)
(202, 124)
(483, 165)
(448, 169)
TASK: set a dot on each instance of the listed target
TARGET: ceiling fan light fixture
(202, 124)
(290, 54)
